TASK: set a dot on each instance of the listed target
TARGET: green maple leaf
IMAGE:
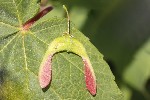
(22, 51)
(138, 71)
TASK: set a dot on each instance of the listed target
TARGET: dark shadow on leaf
(2, 38)
(147, 86)
(95, 94)
(112, 66)
(3, 74)
(136, 95)
(46, 88)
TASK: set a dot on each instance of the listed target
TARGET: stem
(67, 18)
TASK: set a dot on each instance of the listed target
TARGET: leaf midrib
(20, 22)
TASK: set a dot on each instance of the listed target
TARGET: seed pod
(67, 43)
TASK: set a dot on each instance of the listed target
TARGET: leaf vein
(8, 25)
(48, 28)
(39, 39)
(72, 63)
(8, 43)
(19, 3)
(17, 12)
(56, 93)
(25, 60)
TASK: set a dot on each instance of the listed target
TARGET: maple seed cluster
(61, 44)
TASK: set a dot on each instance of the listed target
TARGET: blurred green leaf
(138, 71)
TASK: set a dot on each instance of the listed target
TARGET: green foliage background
(120, 29)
